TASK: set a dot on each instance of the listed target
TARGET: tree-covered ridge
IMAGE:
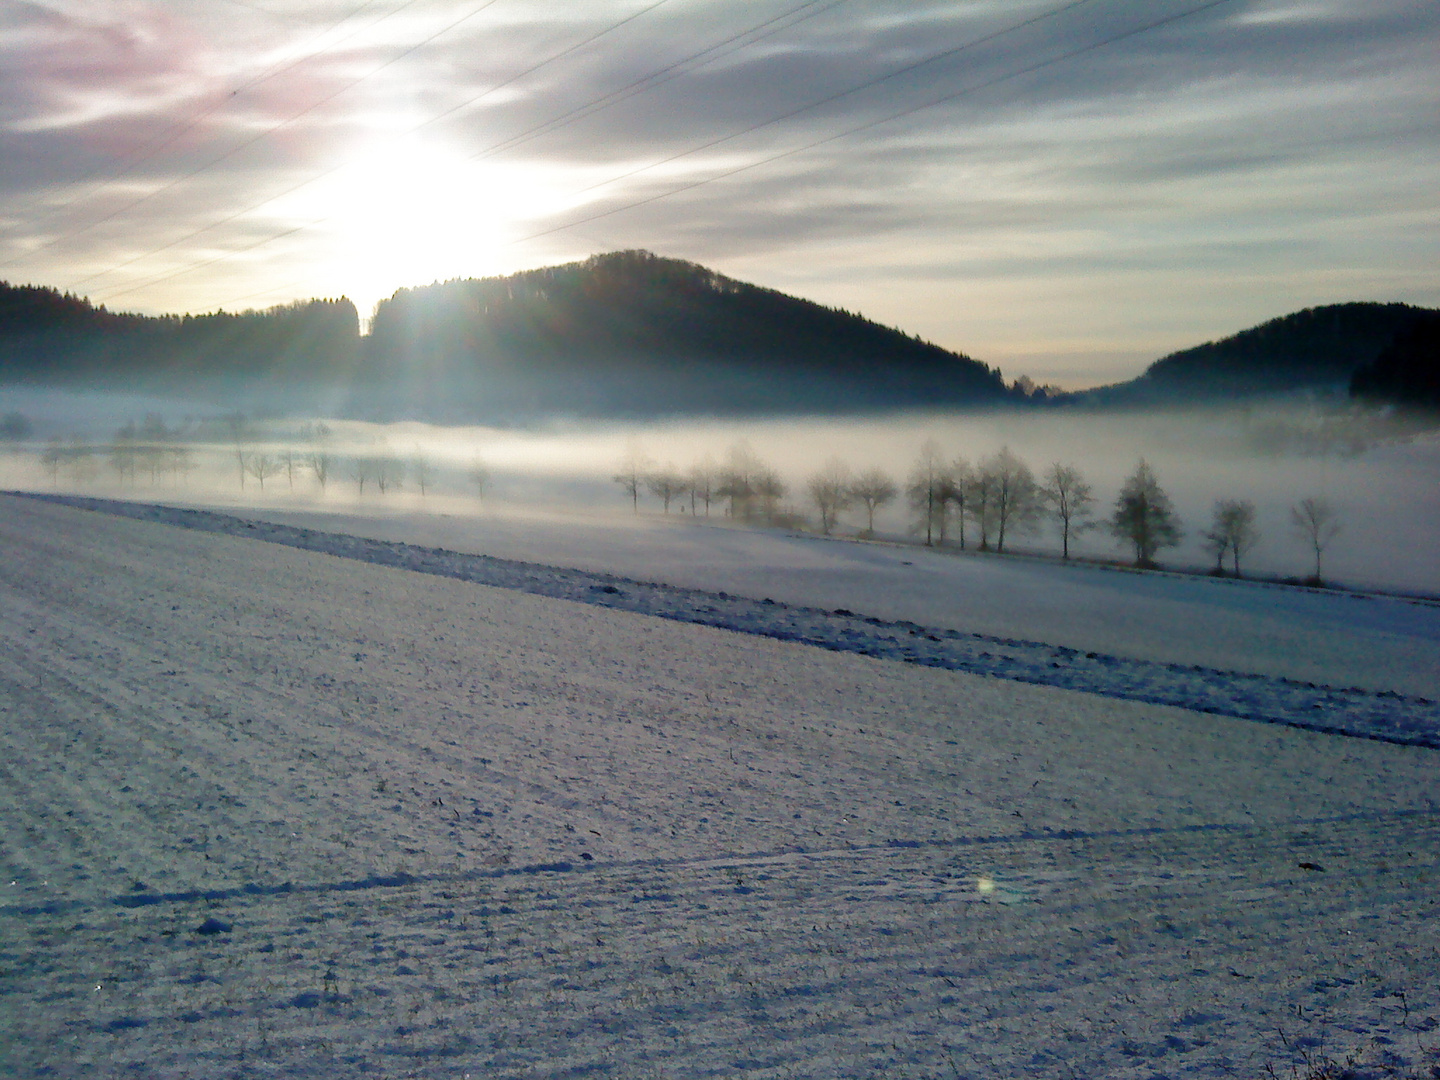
(1407, 371)
(1317, 348)
(46, 335)
(34, 309)
(636, 308)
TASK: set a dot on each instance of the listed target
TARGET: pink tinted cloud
(87, 65)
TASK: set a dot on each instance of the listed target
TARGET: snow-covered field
(270, 812)
(1335, 638)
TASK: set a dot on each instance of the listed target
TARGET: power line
(755, 127)
(671, 71)
(239, 213)
(255, 138)
(470, 101)
(636, 203)
(869, 84)
(288, 232)
(770, 27)
(1082, 50)
(531, 70)
(280, 16)
(148, 151)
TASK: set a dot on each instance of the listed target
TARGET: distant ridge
(57, 339)
(634, 335)
(1317, 350)
(627, 334)
(1407, 371)
(630, 333)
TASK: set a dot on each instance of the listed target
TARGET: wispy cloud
(1034, 183)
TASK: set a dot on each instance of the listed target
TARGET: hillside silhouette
(56, 339)
(1317, 350)
(627, 334)
(634, 334)
(1407, 371)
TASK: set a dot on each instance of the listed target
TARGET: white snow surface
(267, 812)
(1335, 638)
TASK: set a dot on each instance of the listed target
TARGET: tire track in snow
(1385, 716)
(1422, 823)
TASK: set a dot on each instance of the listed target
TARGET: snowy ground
(440, 828)
(1353, 710)
(1339, 639)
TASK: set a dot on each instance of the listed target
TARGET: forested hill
(53, 338)
(633, 334)
(1317, 349)
(627, 334)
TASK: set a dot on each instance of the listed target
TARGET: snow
(1352, 710)
(444, 828)
(1336, 638)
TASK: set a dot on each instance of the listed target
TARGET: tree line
(153, 452)
(982, 505)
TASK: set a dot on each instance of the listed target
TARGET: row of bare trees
(381, 471)
(986, 503)
(749, 489)
(153, 452)
(1233, 531)
(149, 450)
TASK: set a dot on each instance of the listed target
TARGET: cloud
(1258, 140)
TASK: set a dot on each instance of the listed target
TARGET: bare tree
(702, 483)
(738, 481)
(769, 489)
(51, 459)
(321, 464)
(1014, 493)
(479, 476)
(1232, 530)
(631, 475)
(262, 467)
(955, 489)
(318, 458)
(359, 471)
(422, 469)
(290, 461)
(926, 491)
(873, 488)
(388, 472)
(832, 492)
(79, 458)
(239, 437)
(1217, 540)
(665, 484)
(1315, 520)
(152, 446)
(980, 504)
(1143, 516)
(180, 461)
(1067, 497)
(122, 452)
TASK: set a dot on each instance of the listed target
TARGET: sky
(1065, 189)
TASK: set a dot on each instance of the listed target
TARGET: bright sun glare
(409, 213)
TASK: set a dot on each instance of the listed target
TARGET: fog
(1380, 478)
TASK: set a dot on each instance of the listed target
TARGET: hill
(1317, 350)
(56, 339)
(1407, 371)
(627, 334)
(633, 334)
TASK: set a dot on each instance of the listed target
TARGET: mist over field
(1377, 474)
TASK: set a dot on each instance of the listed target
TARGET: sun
(408, 213)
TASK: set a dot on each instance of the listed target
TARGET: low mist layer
(1374, 478)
